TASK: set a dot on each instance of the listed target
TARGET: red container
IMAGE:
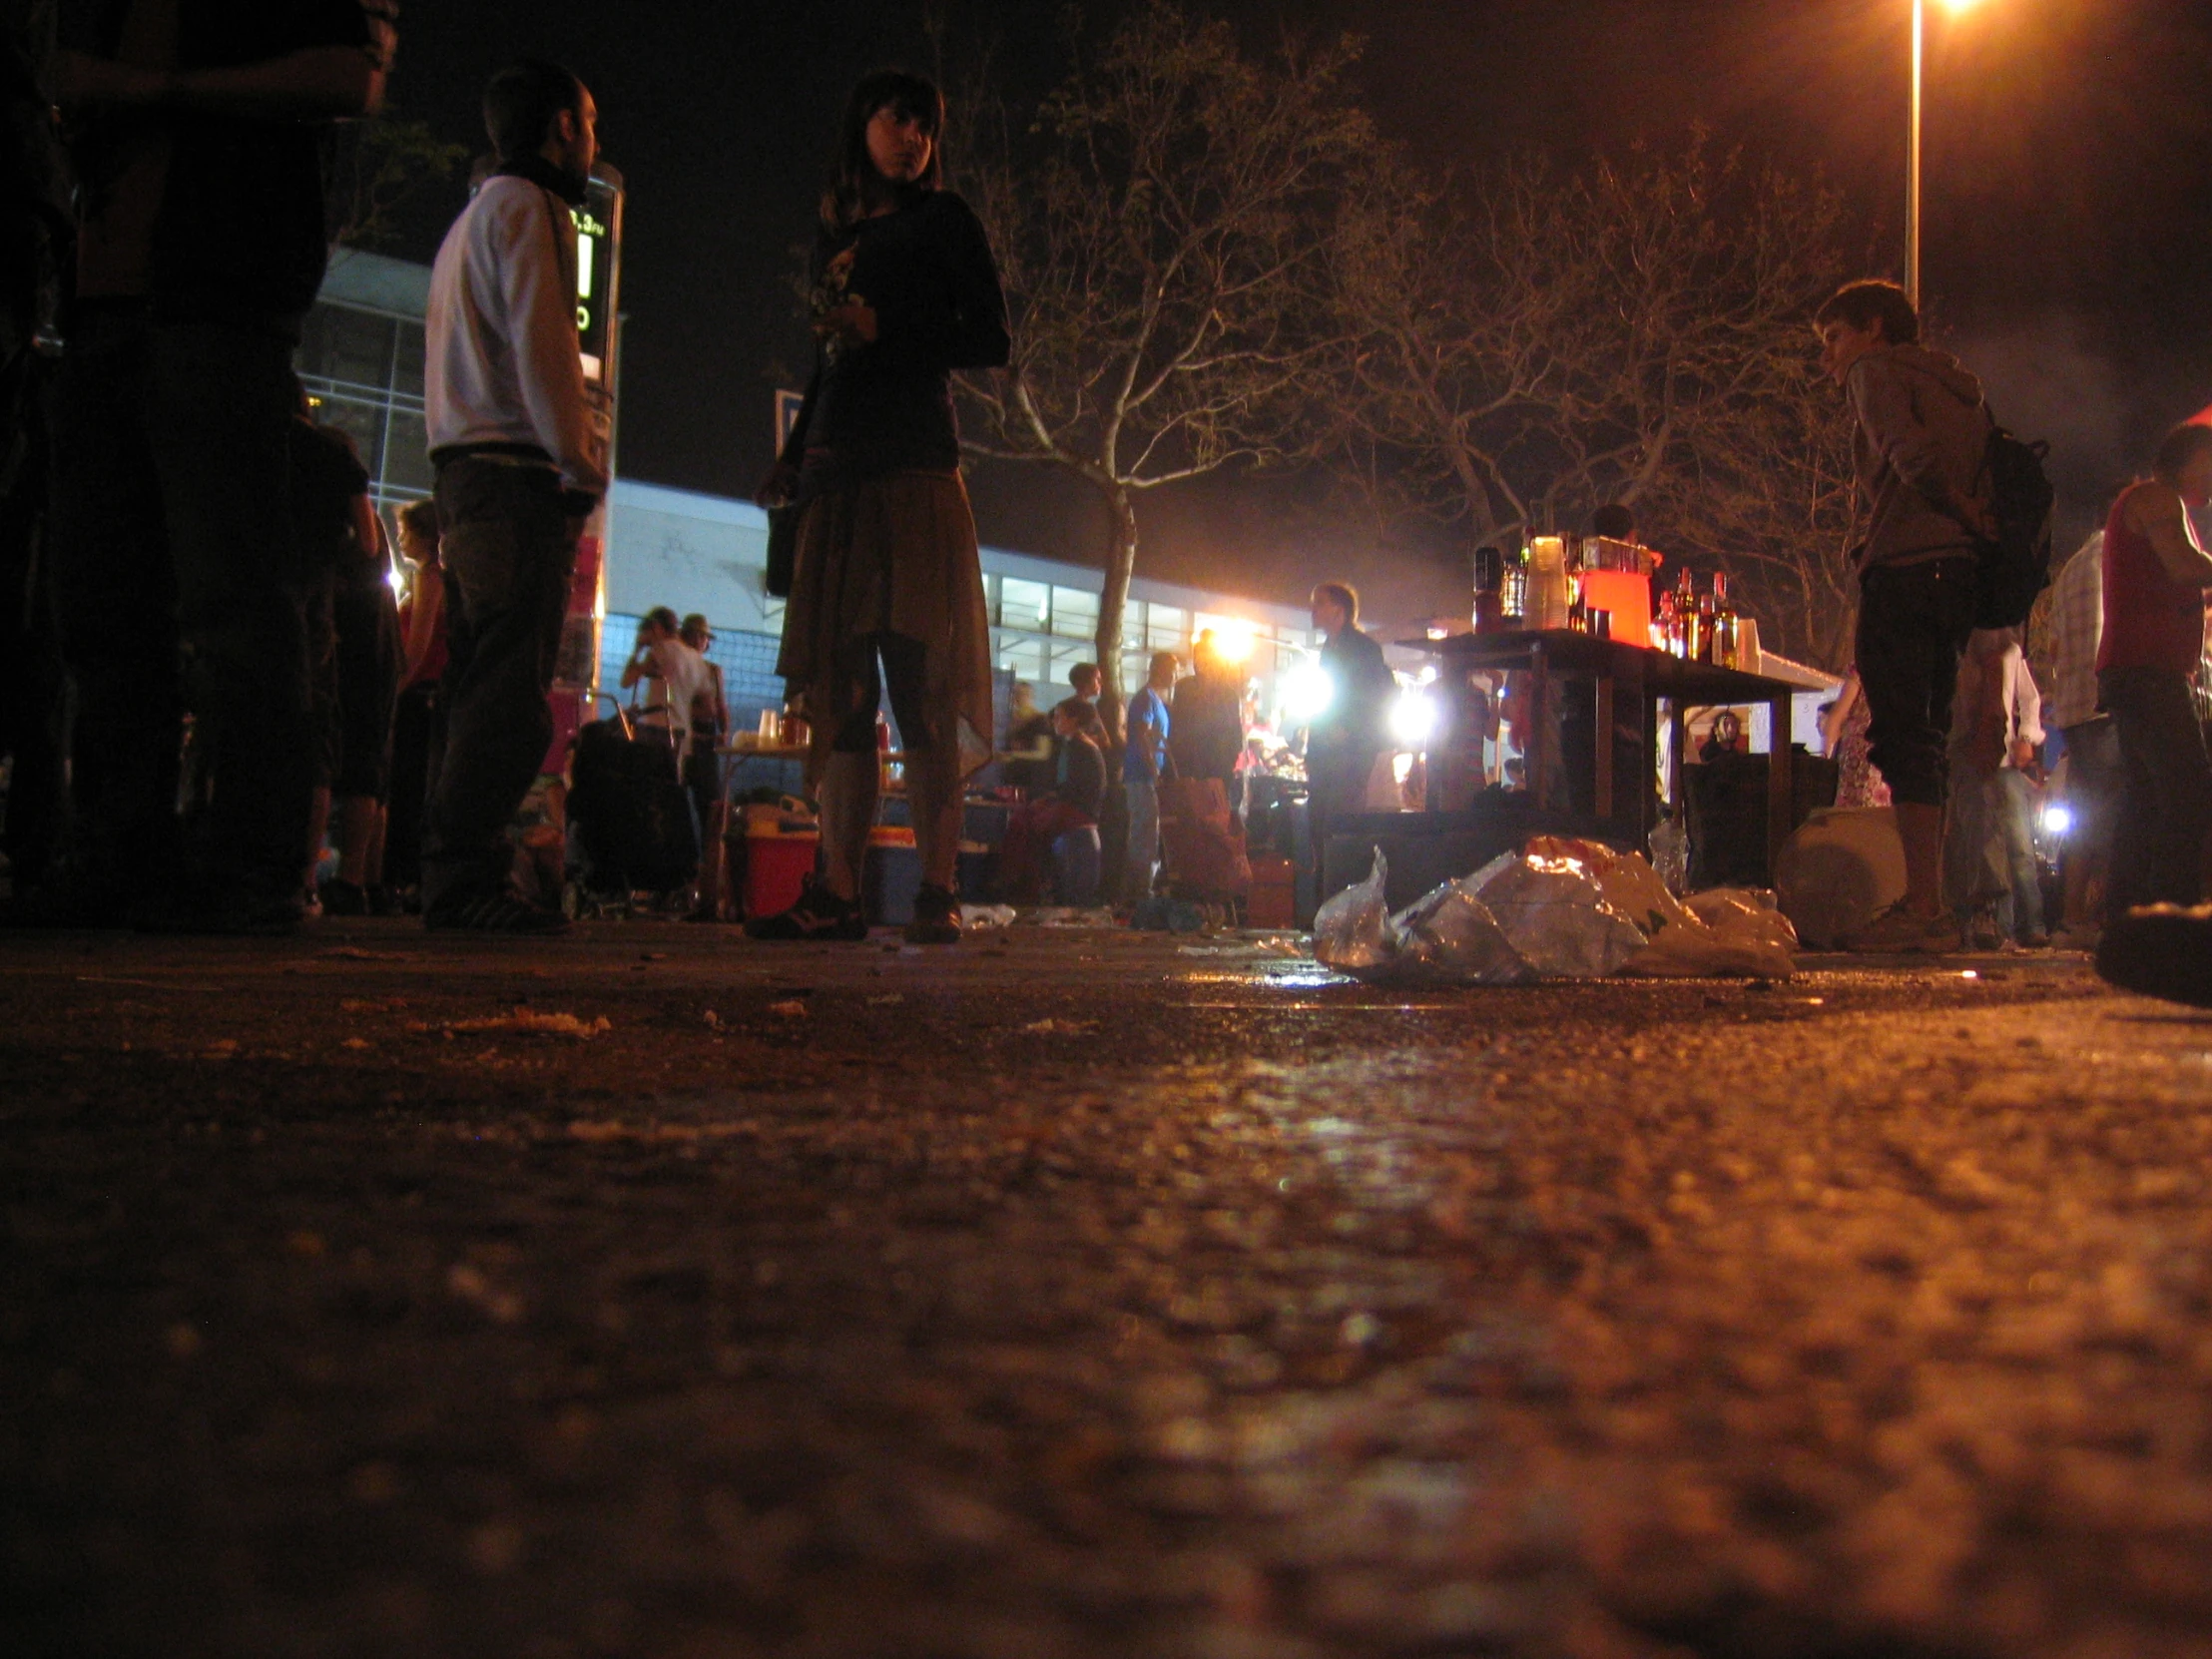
(1273, 901)
(775, 867)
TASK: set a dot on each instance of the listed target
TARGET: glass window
(1065, 654)
(1021, 656)
(406, 369)
(407, 453)
(341, 344)
(1074, 613)
(1167, 627)
(1025, 604)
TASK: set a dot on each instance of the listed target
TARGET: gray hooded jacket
(1917, 455)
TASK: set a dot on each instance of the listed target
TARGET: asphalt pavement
(1073, 1292)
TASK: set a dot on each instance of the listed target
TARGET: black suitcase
(632, 814)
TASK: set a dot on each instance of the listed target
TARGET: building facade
(361, 360)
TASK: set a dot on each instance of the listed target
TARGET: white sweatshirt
(504, 366)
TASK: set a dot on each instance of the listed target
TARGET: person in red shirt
(2155, 576)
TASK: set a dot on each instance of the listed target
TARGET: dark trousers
(508, 547)
(1913, 625)
(414, 724)
(182, 586)
(34, 686)
(2166, 794)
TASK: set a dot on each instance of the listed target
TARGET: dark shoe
(819, 915)
(936, 918)
(343, 898)
(2161, 951)
(223, 912)
(498, 912)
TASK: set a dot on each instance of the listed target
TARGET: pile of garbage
(1559, 909)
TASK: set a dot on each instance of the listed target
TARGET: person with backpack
(1918, 459)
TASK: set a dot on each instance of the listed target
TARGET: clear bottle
(1724, 623)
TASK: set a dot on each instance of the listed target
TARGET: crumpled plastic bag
(1727, 932)
(1449, 938)
(1555, 914)
(1352, 932)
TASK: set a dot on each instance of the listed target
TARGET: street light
(1912, 150)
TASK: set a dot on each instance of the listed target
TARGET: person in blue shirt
(1144, 763)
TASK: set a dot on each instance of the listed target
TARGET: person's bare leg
(849, 786)
(1921, 829)
(933, 790)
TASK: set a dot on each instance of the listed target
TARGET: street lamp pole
(1913, 164)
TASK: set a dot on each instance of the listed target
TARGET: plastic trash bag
(1449, 938)
(1744, 914)
(1352, 932)
(1727, 932)
(1556, 916)
(1670, 853)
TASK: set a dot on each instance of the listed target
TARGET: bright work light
(1306, 693)
(2058, 821)
(1412, 719)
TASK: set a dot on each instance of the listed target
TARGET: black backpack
(2011, 570)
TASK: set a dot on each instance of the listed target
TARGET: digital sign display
(598, 257)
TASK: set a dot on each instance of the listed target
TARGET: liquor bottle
(1668, 629)
(1705, 618)
(1516, 590)
(1724, 623)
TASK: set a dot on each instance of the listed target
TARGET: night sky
(2067, 230)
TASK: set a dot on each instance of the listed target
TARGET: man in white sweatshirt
(520, 453)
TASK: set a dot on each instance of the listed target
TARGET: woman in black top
(888, 590)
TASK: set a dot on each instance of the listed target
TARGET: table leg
(1781, 787)
(1536, 755)
(1605, 745)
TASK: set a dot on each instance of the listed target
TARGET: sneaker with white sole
(1898, 932)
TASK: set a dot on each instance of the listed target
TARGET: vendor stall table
(1619, 668)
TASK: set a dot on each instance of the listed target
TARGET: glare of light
(1954, 7)
(1306, 693)
(1412, 719)
(2058, 821)
(1233, 641)
(1401, 768)
(397, 586)
(1970, 973)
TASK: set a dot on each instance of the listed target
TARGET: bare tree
(1534, 342)
(1161, 227)
(376, 167)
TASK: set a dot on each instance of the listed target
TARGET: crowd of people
(226, 681)
(1957, 738)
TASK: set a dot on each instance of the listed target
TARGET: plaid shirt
(2076, 629)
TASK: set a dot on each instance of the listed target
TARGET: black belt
(447, 454)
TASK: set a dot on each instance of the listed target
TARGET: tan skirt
(891, 555)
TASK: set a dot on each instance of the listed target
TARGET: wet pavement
(1081, 1294)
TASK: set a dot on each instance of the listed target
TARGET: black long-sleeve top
(886, 405)
(1082, 776)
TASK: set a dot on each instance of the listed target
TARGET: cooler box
(779, 854)
(890, 876)
(1273, 901)
(1626, 595)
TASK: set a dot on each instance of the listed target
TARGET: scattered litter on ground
(982, 918)
(355, 953)
(1061, 915)
(1281, 947)
(527, 1020)
(789, 1008)
(1560, 909)
(1065, 1027)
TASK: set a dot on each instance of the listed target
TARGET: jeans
(2014, 798)
(1144, 837)
(181, 585)
(509, 547)
(2167, 795)
(1913, 624)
